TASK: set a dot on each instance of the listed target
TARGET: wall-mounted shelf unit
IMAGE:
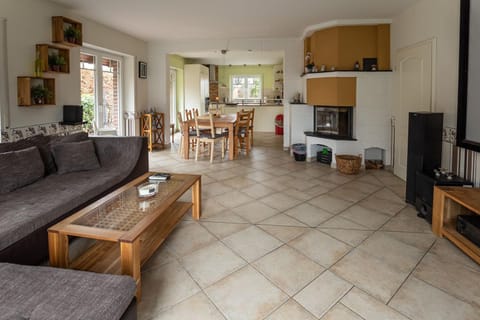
(51, 58)
(26, 97)
(61, 27)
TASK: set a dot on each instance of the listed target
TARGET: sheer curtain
(3, 76)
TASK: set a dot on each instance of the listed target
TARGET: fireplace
(333, 122)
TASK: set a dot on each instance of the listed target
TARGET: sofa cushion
(39, 141)
(20, 168)
(54, 140)
(9, 313)
(36, 205)
(52, 293)
(32, 207)
(75, 156)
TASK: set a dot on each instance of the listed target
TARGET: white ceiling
(234, 57)
(227, 19)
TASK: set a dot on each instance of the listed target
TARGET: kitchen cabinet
(196, 85)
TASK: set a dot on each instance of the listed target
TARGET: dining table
(224, 121)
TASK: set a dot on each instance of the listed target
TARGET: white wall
(29, 23)
(439, 19)
(158, 93)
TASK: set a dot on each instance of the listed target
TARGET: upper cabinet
(67, 31)
(341, 47)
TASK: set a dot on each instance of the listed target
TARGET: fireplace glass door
(334, 121)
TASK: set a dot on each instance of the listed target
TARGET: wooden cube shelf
(24, 91)
(43, 53)
(59, 25)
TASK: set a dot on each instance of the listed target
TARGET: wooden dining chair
(191, 134)
(242, 132)
(250, 126)
(206, 134)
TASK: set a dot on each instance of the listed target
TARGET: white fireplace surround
(371, 117)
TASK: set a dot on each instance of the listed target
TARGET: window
(245, 87)
(101, 91)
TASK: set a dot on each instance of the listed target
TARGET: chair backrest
(243, 122)
(252, 115)
(201, 127)
(180, 120)
(188, 115)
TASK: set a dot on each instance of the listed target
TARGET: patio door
(101, 89)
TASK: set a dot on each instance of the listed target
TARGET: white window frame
(99, 54)
(4, 96)
(246, 77)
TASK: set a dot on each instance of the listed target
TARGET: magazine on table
(160, 176)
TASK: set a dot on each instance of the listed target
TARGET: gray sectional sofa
(40, 293)
(27, 211)
(44, 179)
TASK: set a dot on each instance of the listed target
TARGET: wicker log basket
(348, 164)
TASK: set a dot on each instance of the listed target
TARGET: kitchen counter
(253, 105)
(264, 119)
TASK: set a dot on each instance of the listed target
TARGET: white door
(413, 93)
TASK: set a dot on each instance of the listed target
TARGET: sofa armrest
(123, 152)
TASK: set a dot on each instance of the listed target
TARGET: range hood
(212, 73)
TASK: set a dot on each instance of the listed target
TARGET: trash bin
(299, 151)
(279, 125)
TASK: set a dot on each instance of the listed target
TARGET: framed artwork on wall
(142, 70)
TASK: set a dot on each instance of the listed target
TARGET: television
(72, 115)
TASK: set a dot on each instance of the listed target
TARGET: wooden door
(412, 93)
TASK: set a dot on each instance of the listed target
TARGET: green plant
(55, 59)
(88, 103)
(71, 33)
(40, 94)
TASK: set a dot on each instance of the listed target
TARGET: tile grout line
(410, 273)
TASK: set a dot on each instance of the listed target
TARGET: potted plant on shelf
(56, 61)
(71, 34)
(40, 94)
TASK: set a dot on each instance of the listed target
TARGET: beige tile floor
(289, 240)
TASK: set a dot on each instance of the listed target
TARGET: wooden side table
(153, 126)
(448, 203)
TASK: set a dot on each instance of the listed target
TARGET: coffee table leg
(58, 249)
(130, 261)
(197, 199)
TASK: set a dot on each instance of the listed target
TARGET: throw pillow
(20, 168)
(76, 137)
(75, 156)
(40, 141)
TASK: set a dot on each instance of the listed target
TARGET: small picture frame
(142, 70)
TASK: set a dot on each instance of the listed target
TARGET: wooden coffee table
(129, 229)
